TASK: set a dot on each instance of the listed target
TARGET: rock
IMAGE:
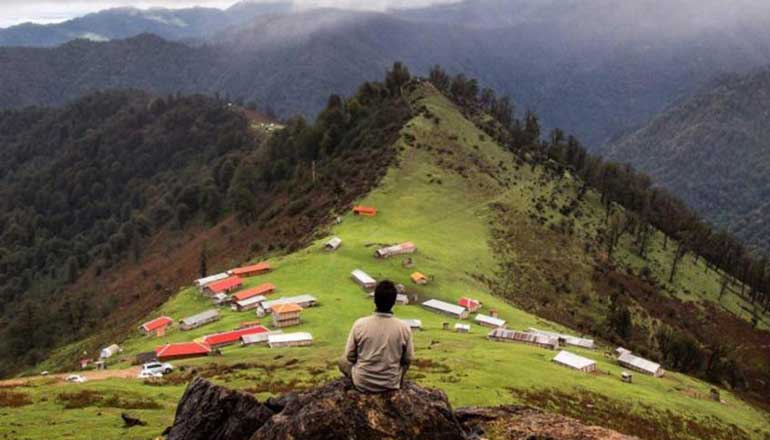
(210, 412)
(337, 411)
(524, 423)
(130, 422)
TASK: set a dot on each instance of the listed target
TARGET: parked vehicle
(75, 378)
(149, 374)
(157, 367)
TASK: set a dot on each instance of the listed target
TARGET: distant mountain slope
(713, 150)
(173, 24)
(599, 69)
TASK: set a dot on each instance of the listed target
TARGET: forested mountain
(713, 150)
(172, 24)
(599, 69)
(94, 193)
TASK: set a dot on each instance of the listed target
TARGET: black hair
(385, 296)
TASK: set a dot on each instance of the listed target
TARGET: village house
(567, 339)
(182, 350)
(220, 299)
(366, 211)
(489, 321)
(110, 351)
(303, 301)
(202, 282)
(198, 320)
(157, 326)
(261, 290)
(446, 308)
(363, 279)
(641, 365)
(249, 303)
(226, 285)
(419, 278)
(258, 338)
(248, 324)
(399, 249)
(251, 271)
(290, 340)
(414, 324)
(472, 305)
(574, 361)
(226, 338)
(503, 335)
(333, 244)
(286, 315)
(462, 328)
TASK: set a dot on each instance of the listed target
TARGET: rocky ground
(336, 411)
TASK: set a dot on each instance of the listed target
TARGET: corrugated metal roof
(572, 360)
(444, 307)
(406, 247)
(362, 277)
(484, 319)
(262, 289)
(334, 242)
(157, 323)
(638, 362)
(251, 300)
(466, 327)
(232, 336)
(259, 337)
(203, 316)
(299, 299)
(289, 337)
(569, 340)
(210, 279)
(259, 267)
(532, 338)
(182, 349)
(226, 284)
(413, 323)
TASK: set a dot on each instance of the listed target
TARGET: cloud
(51, 11)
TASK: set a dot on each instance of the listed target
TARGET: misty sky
(51, 11)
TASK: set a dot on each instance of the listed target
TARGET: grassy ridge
(428, 200)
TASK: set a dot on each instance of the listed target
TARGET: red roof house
(224, 286)
(250, 271)
(182, 350)
(262, 289)
(231, 337)
(471, 304)
(366, 211)
(156, 324)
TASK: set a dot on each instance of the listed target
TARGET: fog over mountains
(593, 67)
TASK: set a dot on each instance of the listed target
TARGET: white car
(75, 378)
(157, 367)
(149, 374)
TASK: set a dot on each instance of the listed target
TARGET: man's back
(379, 348)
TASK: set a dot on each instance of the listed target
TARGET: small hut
(446, 308)
(414, 324)
(419, 278)
(399, 249)
(366, 211)
(472, 305)
(290, 340)
(198, 320)
(462, 328)
(333, 244)
(363, 279)
(489, 321)
(574, 361)
(286, 315)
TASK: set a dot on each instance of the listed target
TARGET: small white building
(414, 324)
(462, 328)
(504, 335)
(258, 338)
(300, 339)
(303, 301)
(636, 363)
(200, 283)
(574, 361)
(333, 244)
(489, 321)
(566, 339)
(620, 350)
(446, 308)
(248, 303)
(399, 249)
(220, 299)
(363, 279)
(109, 351)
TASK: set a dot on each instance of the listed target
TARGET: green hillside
(485, 227)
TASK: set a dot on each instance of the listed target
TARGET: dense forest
(84, 187)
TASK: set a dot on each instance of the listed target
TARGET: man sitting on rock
(379, 348)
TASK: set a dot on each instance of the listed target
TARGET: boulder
(210, 412)
(337, 411)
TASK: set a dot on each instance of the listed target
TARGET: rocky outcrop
(211, 412)
(337, 411)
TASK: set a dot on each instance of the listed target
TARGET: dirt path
(127, 373)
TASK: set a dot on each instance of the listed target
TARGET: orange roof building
(156, 325)
(286, 315)
(182, 350)
(366, 211)
(250, 271)
(471, 304)
(224, 286)
(262, 289)
(419, 278)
